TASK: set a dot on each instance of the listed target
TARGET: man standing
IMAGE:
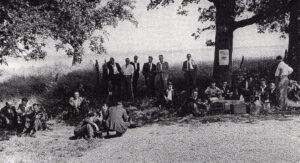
(149, 72)
(136, 74)
(128, 71)
(282, 82)
(114, 75)
(162, 76)
(189, 68)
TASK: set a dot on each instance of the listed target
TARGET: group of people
(157, 82)
(95, 121)
(279, 94)
(106, 119)
(25, 119)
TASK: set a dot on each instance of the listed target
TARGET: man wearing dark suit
(272, 94)
(149, 72)
(189, 68)
(114, 75)
(105, 78)
(136, 74)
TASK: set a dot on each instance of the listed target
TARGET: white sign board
(223, 57)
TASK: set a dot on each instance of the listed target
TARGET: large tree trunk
(224, 39)
(294, 38)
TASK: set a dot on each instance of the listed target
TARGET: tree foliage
(26, 24)
(269, 15)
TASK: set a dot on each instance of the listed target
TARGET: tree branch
(260, 16)
(249, 21)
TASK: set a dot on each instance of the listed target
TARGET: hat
(119, 103)
(170, 83)
(25, 99)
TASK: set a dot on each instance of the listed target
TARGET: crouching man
(89, 127)
(117, 119)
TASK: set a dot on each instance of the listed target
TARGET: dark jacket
(272, 97)
(117, 119)
(136, 69)
(185, 66)
(146, 70)
(111, 69)
(105, 72)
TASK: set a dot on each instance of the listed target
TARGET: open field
(227, 138)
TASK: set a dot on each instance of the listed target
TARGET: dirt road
(272, 140)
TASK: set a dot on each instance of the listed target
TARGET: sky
(163, 29)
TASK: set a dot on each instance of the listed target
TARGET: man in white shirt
(189, 68)
(282, 82)
(127, 71)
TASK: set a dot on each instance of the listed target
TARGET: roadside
(225, 138)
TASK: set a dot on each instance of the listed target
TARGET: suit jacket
(111, 69)
(162, 67)
(105, 72)
(146, 70)
(117, 119)
(185, 66)
(136, 69)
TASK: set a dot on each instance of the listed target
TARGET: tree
(294, 37)
(26, 24)
(229, 15)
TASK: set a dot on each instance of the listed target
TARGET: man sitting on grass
(227, 93)
(89, 127)
(194, 106)
(8, 116)
(168, 96)
(77, 105)
(40, 118)
(117, 119)
(213, 92)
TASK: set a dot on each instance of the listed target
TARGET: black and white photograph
(149, 81)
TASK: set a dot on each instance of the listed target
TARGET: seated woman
(89, 127)
(117, 119)
(213, 92)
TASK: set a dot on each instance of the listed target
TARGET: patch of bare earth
(217, 139)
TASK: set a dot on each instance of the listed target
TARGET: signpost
(224, 57)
